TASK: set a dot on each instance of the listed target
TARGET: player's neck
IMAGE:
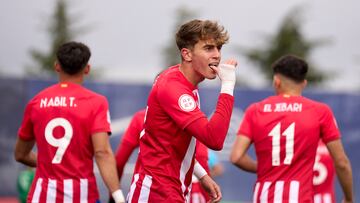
(72, 79)
(289, 88)
(289, 93)
(189, 74)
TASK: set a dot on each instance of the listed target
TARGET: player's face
(204, 55)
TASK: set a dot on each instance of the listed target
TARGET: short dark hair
(195, 30)
(292, 67)
(73, 57)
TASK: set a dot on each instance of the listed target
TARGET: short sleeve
(328, 126)
(101, 116)
(179, 102)
(26, 130)
(246, 124)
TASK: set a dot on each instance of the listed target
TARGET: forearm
(342, 167)
(29, 159)
(344, 174)
(23, 152)
(246, 163)
(107, 167)
(212, 133)
(122, 156)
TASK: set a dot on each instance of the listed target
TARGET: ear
(276, 81)
(304, 84)
(57, 67)
(186, 54)
(87, 69)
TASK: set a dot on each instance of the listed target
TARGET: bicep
(336, 150)
(179, 103)
(100, 141)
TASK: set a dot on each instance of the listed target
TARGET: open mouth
(213, 65)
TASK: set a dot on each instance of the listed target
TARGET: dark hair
(291, 67)
(195, 30)
(73, 57)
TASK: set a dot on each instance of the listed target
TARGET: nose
(217, 53)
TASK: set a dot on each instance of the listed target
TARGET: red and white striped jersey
(67, 190)
(285, 131)
(130, 141)
(61, 119)
(198, 193)
(166, 150)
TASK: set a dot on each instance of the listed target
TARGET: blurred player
(324, 188)
(174, 120)
(286, 130)
(70, 125)
(24, 182)
(208, 160)
(129, 141)
(215, 165)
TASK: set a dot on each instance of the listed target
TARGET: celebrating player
(70, 125)
(174, 121)
(285, 130)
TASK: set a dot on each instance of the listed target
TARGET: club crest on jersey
(187, 102)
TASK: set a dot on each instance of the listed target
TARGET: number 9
(60, 143)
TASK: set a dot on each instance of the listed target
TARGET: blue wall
(126, 99)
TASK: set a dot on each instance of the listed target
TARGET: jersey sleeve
(212, 133)
(101, 116)
(179, 103)
(328, 127)
(26, 131)
(245, 126)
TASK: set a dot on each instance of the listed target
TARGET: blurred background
(131, 41)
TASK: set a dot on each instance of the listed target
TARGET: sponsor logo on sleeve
(187, 103)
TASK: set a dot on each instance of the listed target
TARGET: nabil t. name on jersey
(57, 102)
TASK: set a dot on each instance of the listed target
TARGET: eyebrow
(209, 45)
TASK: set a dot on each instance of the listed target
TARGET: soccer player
(24, 182)
(285, 130)
(215, 166)
(130, 141)
(323, 181)
(70, 125)
(174, 121)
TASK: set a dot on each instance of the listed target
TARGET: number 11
(289, 147)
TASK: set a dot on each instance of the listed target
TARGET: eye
(209, 47)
